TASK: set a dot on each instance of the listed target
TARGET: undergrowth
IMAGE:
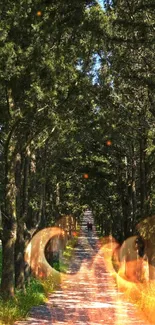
(19, 306)
(36, 292)
(63, 264)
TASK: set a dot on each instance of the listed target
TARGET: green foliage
(73, 78)
(43, 87)
(126, 117)
(63, 264)
(36, 292)
(18, 307)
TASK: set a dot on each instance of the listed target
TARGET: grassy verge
(69, 251)
(18, 308)
(36, 292)
(63, 264)
(49, 284)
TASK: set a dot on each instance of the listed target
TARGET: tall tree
(46, 60)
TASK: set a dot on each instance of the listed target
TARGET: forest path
(89, 294)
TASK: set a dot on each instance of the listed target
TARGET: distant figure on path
(89, 226)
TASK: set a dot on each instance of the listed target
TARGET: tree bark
(19, 257)
(42, 212)
(20, 244)
(9, 223)
(143, 193)
(134, 198)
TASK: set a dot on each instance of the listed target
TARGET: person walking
(89, 226)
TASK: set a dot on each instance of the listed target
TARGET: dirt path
(89, 294)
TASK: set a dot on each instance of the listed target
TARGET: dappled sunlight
(109, 284)
(94, 297)
(103, 297)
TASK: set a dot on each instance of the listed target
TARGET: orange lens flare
(108, 143)
(35, 252)
(39, 13)
(86, 176)
(96, 287)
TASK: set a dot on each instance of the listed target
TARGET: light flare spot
(109, 143)
(86, 176)
(39, 13)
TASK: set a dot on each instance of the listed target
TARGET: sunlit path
(89, 295)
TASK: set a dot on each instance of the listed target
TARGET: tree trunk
(134, 198)
(143, 193)
(57, 201)
(9, 224)
(42, 212)
(19, 257)
(19, 245)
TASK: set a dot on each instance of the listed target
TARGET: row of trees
(77, 96)
(46, 88)
(130, 119)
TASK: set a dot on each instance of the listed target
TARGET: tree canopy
(77, 98)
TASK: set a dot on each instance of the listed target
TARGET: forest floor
(88, 295)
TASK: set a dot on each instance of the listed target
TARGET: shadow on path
(88, 295)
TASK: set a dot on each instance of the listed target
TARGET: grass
(63, 265)
(50, 284)
(18, 307)
(37, 291)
